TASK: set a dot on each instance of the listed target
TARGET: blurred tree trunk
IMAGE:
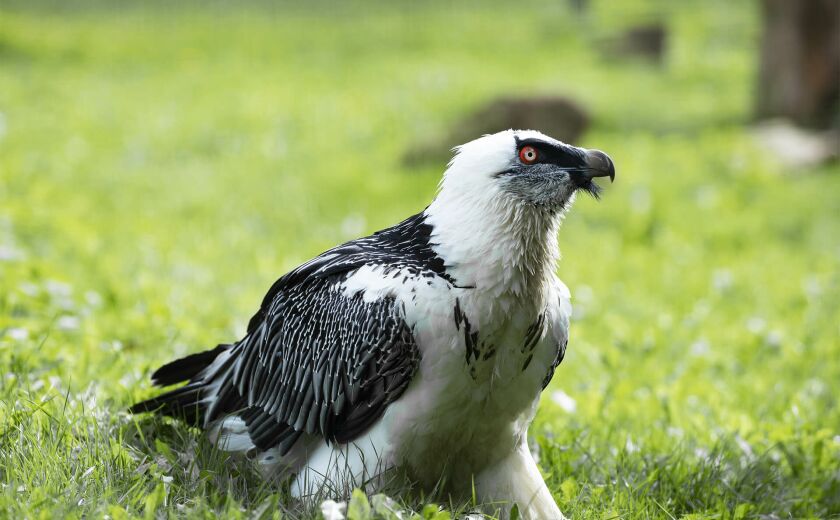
(799, 75)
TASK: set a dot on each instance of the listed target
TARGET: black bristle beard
(592, 189)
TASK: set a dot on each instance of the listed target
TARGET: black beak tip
(600, 164)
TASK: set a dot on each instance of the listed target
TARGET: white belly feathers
(479, 378)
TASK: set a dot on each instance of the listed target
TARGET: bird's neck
(507, 252)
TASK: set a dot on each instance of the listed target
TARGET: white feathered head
(524, 167)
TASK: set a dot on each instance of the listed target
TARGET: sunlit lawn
(160, 167)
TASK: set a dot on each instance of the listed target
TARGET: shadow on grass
(202, 476)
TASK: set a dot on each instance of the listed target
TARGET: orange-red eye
(528, 155)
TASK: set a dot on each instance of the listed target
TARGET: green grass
(160, 167)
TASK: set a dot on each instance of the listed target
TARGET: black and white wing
(322, 363)
(315, 360)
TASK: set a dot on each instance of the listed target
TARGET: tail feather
(186, 367)
(189, 401)
(183, 403)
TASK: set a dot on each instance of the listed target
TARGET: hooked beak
(599, 164)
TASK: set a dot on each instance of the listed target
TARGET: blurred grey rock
(579, 5)
(556, 116)
(795, 147)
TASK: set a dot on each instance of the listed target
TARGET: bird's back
(317, 360)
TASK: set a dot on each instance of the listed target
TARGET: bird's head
(524, 168)
(500, 202)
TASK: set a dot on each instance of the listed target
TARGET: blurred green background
(161, 164)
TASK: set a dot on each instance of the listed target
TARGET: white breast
(473, 411)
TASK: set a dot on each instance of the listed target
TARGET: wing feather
(320, 363)
(314, 360)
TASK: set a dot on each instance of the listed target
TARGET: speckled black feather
(314, 360)
(561, 353)
(321, 363)
(408, 245)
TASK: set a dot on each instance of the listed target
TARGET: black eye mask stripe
(549, 153)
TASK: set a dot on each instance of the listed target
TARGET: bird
(418, 352)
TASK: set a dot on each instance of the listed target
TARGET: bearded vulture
(421, 349)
